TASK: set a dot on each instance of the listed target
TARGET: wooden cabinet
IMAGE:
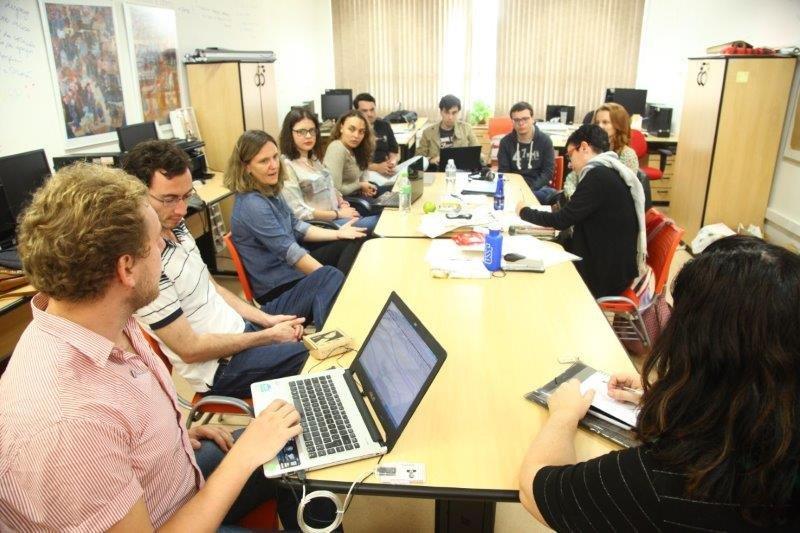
(729, 137)
(229, 98)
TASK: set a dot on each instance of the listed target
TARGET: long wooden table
(393, 223)
(504, 337)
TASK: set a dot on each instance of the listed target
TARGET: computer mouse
(513, 257)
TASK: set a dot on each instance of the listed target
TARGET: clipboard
(623, 437)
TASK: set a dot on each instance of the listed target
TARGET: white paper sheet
(604, 403)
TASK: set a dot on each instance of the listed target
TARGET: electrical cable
(340, 508)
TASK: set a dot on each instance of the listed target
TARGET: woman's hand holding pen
(625, 387)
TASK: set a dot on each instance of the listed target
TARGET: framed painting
(153, 46)
(81, 43)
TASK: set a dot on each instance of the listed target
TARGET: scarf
(611, 160)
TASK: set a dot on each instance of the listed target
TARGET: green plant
(479, 113)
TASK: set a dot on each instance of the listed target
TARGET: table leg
(464, 516)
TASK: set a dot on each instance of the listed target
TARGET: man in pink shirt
(90, 432)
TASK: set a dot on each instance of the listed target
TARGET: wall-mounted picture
(82, 48)
(153, 43)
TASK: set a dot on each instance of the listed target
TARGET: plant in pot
(479, 113)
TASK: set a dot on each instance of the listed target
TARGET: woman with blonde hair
(286, 277)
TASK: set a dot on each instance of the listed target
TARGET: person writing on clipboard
(719, 422)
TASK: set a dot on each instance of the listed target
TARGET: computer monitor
(335, 105)
(20, 176)
(555, 111)
(633, 100)
(130, 136)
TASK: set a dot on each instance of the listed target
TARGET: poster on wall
(84, 62)
(153, 44)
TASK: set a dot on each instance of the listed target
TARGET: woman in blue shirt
(284, 275)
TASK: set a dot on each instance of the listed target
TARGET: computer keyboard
(326, 427)
(388, 199)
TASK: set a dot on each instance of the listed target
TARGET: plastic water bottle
(404, 190)
(500, 194)
(493, 249)
(450, 177)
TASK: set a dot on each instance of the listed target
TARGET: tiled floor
(401, 515)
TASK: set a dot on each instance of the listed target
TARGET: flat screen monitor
(556, 111)
(130, 136)
(20, 176)
(633, 100)
(335, 105)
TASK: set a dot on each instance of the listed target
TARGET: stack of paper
(435, 224)
(447, 256)
(381, 180)
(604, 406)
(534, 249)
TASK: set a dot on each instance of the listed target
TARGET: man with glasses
(215, 340)
(387, 152)
(529, 152)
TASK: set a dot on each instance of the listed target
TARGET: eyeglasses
(310, 132)
(521, 120)
(172, 200)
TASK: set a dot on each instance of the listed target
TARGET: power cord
(341, 509)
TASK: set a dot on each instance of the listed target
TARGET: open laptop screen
(397, 363)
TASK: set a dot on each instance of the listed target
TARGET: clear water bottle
(450, 177)
(404, 190)
(493, 249)
(500, 194)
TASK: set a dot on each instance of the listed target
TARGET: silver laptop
(392, 370)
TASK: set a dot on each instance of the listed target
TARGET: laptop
(466, 158)
(395, 367)
(392, 198)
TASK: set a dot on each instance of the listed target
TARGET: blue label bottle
(493, 249)
(499, 194)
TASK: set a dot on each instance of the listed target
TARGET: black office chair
(364, 208)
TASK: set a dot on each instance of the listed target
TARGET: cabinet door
(252, 80)
(696, 136)
(750, 124)
(216, 98)
(269, 100)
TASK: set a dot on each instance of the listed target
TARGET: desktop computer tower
(657, 120)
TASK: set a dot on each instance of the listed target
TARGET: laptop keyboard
(326, 427)
(389, 199)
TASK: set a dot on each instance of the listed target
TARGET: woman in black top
(607, 224)
(719, 420)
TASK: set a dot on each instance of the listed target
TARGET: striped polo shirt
(186, 289)
(87, 429)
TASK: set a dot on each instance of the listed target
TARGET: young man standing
(219, 343)
(529, 152)
(387, 152)
(449, 132)
(90, 432)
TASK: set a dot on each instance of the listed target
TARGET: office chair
(201, 404)
(497, 128)
(624, 312)
(639, 145)
(241, 273)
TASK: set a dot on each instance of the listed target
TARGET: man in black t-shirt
(387, 152)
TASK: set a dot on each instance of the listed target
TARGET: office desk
(393, 223)
(207, 225)
(15, 315)
(504, 337)
(653, 142)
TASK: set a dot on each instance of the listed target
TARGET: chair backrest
(558, 173)
(638, 143)
(653, 218)
(240, 271)
(660, 251)
(156, 349)
(499, 126)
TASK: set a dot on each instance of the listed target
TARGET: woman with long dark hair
(349, 154)
(308, 187)
(719, 420)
